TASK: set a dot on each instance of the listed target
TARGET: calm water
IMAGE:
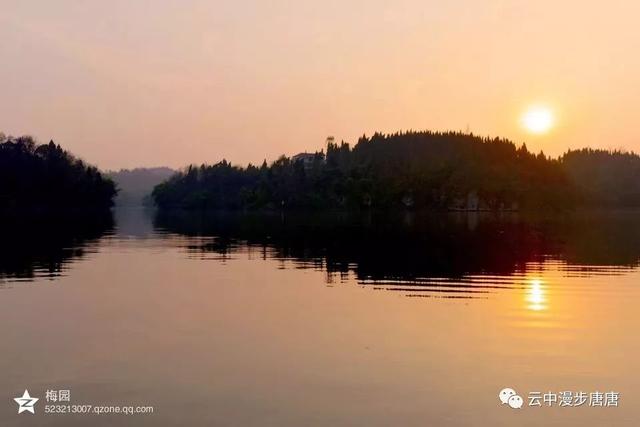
(341, 320)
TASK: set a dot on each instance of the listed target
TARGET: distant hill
(136, 184)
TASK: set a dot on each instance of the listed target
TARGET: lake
(412, 319)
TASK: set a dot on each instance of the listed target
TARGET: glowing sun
(538, 119)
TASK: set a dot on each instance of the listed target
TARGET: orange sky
(171, 82)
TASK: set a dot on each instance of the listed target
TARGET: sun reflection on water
(536, 295)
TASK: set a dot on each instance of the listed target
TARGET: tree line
(439, 170)
(34, 176)
(604, 177)
(435, 170)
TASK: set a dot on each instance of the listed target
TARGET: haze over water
(341, 319)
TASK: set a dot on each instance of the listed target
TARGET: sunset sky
(171, 82)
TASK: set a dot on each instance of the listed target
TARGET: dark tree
(46, 176)
(605, 178)
(434, 170)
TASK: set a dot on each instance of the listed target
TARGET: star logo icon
(26, 403)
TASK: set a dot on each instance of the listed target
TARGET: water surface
(340, 319)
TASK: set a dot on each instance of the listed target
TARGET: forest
(604, 178)
(435, 170)
(45, 176)
(432, 170)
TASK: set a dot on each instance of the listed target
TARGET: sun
(538, 119)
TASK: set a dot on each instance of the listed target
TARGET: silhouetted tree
(438, 170)
(604, 178)
(46, 176)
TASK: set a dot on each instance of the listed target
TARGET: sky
(134, 83)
